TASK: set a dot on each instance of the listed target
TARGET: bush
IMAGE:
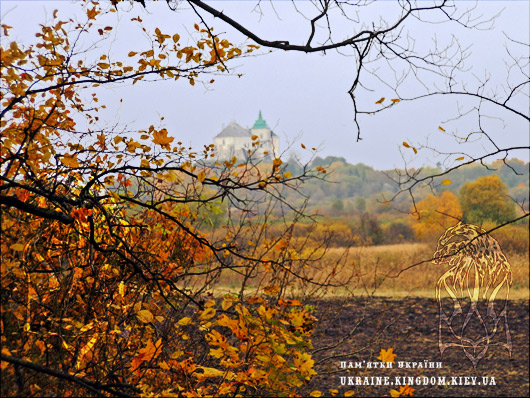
(398, 232)
(512, 238)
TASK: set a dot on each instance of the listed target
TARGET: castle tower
(270, 142)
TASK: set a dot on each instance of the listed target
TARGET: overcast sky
(302, 95)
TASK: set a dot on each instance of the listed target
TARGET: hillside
(351, 183)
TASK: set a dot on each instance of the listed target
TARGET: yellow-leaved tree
(434, 214)
(107, 265)
(486, 199)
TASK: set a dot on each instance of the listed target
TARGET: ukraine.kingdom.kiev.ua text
(410, 380)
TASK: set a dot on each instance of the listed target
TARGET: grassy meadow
(398, 270)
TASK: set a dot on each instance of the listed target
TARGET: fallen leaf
(387, 355)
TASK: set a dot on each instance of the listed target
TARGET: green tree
(486, 199)
(338, 206)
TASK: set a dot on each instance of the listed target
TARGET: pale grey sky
(304, 95)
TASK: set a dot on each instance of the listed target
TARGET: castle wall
(228, 147)
(269, 142)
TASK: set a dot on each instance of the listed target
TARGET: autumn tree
(108, 269)
(435, 215)
(486, 199)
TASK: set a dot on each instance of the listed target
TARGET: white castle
(235, 140)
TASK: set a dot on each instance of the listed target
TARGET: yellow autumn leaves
(160, 137)
(387, 355)
(332, 392)
(382, 99)
(145, 316)
(407, 145)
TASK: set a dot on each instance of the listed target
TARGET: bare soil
(355, 330)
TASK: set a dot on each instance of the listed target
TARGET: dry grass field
(401, 270)
(405, 270)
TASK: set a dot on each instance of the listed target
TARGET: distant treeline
(347, 181)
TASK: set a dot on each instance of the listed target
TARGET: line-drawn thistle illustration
(473, 316)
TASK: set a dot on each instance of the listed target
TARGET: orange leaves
(145, 316)
(406, 145)
(228, 301)
(146, 354)
(160, 37)
(22, 194)
(118, 266)
(17, 247)
(387, 355)
(441, 128)
(92, 13)
(435, 214)
(277, 163)
(4, 364)
(446, 182)
(393, 100)
(70, 160)
(270, 337)
(85, 350)
(407, 390)
(201, 176)
(41, 345)
(160, 137)
(208, 313)
(271, 290)
(81, 216)
(185, 321)
(6, 28)
(206, 372)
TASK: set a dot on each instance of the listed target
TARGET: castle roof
(262, 124)
(234, 130)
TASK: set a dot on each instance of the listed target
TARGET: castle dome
(260, 123)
